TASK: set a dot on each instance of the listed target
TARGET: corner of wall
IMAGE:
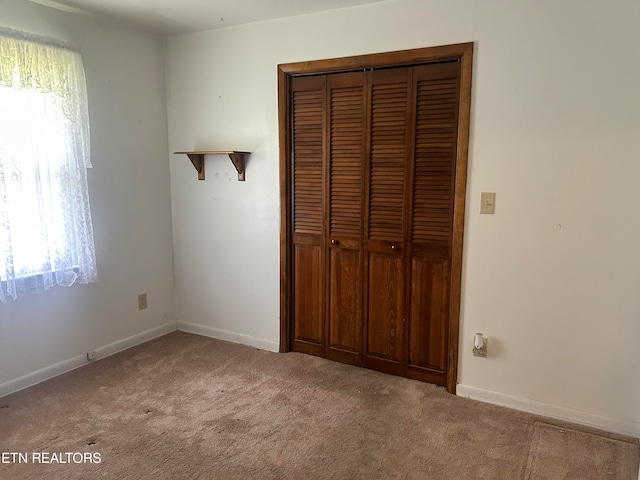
(228, 336)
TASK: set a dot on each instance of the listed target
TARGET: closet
(373, 188)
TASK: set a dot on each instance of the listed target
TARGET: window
(46, 235)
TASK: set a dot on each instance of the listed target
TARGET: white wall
(130, 204)
(552, 278)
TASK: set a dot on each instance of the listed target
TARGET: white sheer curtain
(46, 235)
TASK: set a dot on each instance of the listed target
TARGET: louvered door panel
(389, 91)
(435, 154)
(308, 120)
(347, 154)
(346, 172)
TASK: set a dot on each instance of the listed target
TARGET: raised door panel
(308, 119)
(385, 307)
(308, 299)
(345, 207)
(345, 306)
(428, 319)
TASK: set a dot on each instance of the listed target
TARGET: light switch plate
(487, 202)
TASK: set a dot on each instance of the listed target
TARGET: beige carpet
(184, 406)
(558, 452)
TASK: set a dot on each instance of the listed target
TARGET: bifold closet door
(385, 243)
(308, 137)
(431, 220)
(345, 171)
(373, 178)
(373, 165)
(328, 145)
(411, 181)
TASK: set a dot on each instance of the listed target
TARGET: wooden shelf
(237, 158)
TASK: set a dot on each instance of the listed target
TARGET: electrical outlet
(481, 352)
(91, 355)
(142, 301)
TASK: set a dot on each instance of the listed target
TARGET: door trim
(463, 53)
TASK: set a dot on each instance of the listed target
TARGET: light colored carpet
(185, 406)
(558, 452)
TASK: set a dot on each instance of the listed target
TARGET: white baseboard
(207, 331)
(549, 410)
(78, 361)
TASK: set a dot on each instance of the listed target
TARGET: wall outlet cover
(481, 352)
(142, 301)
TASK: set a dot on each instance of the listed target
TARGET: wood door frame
(462, 52)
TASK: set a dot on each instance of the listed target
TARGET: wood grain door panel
(345, 305)
(308, 299)
(385, 309)
(427, 319)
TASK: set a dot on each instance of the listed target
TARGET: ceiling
(175, 17)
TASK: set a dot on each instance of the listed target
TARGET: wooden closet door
(373, 166)
(308, 133)
(345, 170)
(431, 223)
(385, 243)
(373, 190)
